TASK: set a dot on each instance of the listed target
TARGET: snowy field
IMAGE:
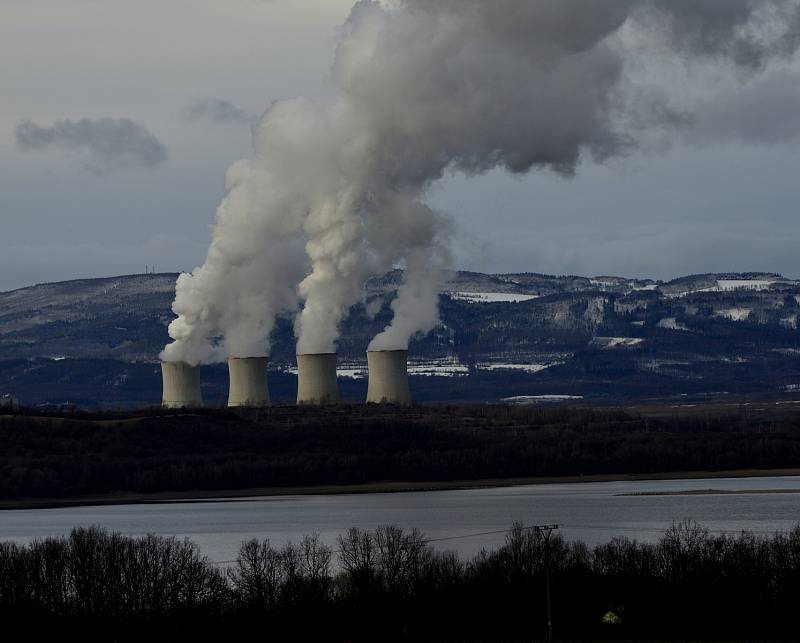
(734, 285)
(438, 369)
(609, 343)
(744, 284)
(540, 399)
(356, 373)
(491, 297)
(525, 368)
(433, 368)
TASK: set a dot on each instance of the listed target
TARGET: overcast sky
(118, 120)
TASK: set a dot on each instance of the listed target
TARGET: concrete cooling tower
(248, 382)
(181, 385)
(388, 378)
(316, 379)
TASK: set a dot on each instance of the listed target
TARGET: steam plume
(424, 88)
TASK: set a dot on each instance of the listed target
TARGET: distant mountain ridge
(524, 334)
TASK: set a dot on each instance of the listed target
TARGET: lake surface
(594, 512)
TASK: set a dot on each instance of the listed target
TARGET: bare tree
(401, 556)
(357, 558)
(258, 575)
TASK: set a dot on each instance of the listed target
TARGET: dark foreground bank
(117, 455)
(390, 584)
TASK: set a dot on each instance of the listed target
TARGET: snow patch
(539, 399)
(745, 284)
(426, 369)
(525, 368)
(444, 368)
(605, 284)
(356, 373)
(731, 285)
(491, 297)
(609, 343)
(448, 367)
(670, 323)
(734, 314)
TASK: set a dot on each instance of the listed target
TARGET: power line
(765, 532)
(539, 528)
(545, 532)
(476, 535)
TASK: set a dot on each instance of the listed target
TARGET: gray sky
(118, 120)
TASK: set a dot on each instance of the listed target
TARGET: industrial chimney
(388, 378)
(316, 379)
(181, 385)
(248, 382)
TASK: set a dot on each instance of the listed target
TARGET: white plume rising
(422, 88)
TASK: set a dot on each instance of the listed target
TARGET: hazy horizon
(157, 271)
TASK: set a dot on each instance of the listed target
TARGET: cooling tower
(388, 378)
(316, 379)
(248, 382)
(181, 385)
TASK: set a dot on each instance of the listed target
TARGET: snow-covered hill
(501, 336)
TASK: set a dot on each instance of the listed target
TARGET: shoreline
(242, 495)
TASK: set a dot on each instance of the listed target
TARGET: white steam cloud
(423, 88)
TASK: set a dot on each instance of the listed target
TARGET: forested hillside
(525, 336)
(74, 454)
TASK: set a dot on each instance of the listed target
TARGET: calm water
(593, 512)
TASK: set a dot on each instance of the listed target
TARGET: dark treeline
(390, 584)
(81, 453)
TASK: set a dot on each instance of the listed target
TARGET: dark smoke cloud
(217, 110)
(105, 144)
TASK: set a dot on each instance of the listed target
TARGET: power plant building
(316, 379)
(248, 382)
(388, 378)
(181, 385)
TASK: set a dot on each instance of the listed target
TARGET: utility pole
(545, 531)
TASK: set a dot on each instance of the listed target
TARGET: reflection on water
(593, 512)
